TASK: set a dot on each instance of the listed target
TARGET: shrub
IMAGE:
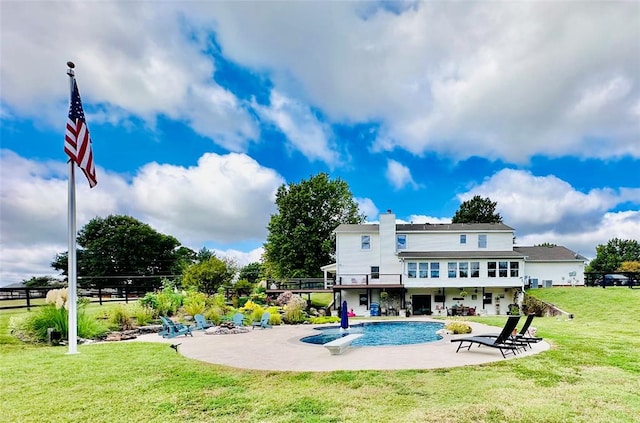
(324, 319)
(458, 328)
(150, 300)
(284, 298)
(533, 305)
(274, 316)
(294, 310)
(54, 315)
(120, 319)
(143, 314)
(195, 303)
(168, 302)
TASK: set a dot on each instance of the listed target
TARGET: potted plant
(463, 293)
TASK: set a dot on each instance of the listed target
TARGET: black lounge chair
(501, 342)
(523, 336)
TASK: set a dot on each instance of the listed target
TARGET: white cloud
(501, 80)
(133, 60)
(223, 199)
(242, 258)
(368, 208)
(418, 218)
(548, 209)
(301, 127)
(399, 175)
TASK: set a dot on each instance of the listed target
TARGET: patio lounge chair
(171, 329)
(202, 323)
(501, 342)
(264, 321)
(238, 319)
(524, 335)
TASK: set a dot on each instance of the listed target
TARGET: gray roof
(431, 227)
(460, 254)
(553, 253)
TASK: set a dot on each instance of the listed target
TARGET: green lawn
(591, 374)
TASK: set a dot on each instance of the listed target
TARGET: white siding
(450, 241)
(558, 272)
(389, 262)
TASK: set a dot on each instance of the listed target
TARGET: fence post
(28, 299)
(100, 295)
(126, 295)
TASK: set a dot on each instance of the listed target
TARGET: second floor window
(463, 239)
(475, 269)
(435, 270)
(423, 270)
(452, 269)
(365, 242)
(463, 269)
(401, 242)
(375, 272)
(482, 241)
(411, 270)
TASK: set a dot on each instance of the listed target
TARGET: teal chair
(171, 329)
(202, 323)
(264, 321)
(238, 319)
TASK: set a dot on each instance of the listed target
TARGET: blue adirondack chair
(201, 322)
(263, 323)
(238, 319)
(171, 330)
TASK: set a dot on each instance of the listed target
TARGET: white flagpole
(72, 299)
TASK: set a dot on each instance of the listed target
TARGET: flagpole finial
(71, 65)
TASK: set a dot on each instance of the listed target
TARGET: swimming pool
(381, 333)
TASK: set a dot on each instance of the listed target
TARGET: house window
(463, 239)
(401, 242)
(502, 267)
(411, 269)
(423, 270)
(491, 269)
(463, 269)
(482, 241)
(435, 270)
(475, 269)
(453, 269)
(365, 242)
(513, 266)
(375, 272)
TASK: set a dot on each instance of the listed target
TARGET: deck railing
(369, 279)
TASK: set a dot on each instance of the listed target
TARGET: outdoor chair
(523, 335)
(202, 323)
(238, 319)
(171, 329)
(263, 323)
(501, 342)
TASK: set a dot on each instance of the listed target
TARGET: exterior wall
(389, 263)
(352, 261)
(450, 241)
(558, 272)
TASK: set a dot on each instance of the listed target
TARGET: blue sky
(198, 111)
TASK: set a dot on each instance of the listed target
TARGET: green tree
(251, 272)
(477, 210)
(185, 257)
(42, 281)
(120, 246)
(301, 238)
(610, 257)
(209, 275)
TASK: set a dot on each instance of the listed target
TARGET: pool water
(381, 333)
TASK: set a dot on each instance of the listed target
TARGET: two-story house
(429, 268)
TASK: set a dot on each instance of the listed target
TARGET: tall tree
(610, 257)
(301, 238)
(251, 272)
(209, 275)
(477, 210)
(121, 246)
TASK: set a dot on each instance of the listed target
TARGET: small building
(442, 268)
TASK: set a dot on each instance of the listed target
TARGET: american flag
(77, 141)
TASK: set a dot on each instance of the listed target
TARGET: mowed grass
(591, 374)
